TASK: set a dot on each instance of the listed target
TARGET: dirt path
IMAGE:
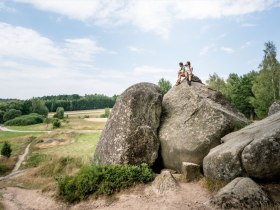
(189, 196)
(2, 128)
(15, 171)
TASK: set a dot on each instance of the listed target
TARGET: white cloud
(206, 49)
(5, 8)
(32, 65)
(248, 25)
(150, 15)
(246, 44)
(139, 50)
(227, 50)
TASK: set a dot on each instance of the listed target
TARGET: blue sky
(50, 47)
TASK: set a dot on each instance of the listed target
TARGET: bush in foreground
(30, 119)
(6, 150)
(102, 180)
(56, 123)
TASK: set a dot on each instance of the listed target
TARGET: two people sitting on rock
(185, 71)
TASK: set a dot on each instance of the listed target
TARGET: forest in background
(252, 93)
(12, 108)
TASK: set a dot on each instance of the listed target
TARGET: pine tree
(6, 150)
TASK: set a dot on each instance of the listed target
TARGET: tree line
(10, 109)
(254, 92)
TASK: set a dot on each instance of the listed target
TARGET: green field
(75, 139)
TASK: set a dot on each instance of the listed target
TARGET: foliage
(164, 85)
(56, 123)
(2, 116)
(11, 114)
(106, 113)
(30, 119)
(59, 113)
(76, 102)
(39, 107)
(47, 120)
(102, 180)
(266, 86)
(217, 83)
(6, 150)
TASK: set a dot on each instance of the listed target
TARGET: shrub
(11, 114)
(1, 116)
(30, 119)
(102, 180)
(6, 150)
(56, 123)
(106, 113)
(59, 113)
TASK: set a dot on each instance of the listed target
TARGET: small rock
(241, 193)
(165, 182)
(190, 171)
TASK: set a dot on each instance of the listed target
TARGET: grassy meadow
(60, 151)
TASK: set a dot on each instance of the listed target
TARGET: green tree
(39, 107)
(164, 85)
(217, 83)
(1, 116)
(6, 150)
(266, 86)
(11, 114)
(60, 112)
(241, 94)
(106, 113)
(56, 123)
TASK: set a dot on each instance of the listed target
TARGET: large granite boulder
(241, 193)
(193, 121)
(274, 108)
(130, 134)
(253, 151)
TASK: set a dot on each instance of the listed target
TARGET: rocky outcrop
(274, 108)
(193, 121)
(253, 151)
(241, 193)
(130, 134)
(165, 182)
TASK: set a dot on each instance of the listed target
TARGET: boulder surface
(194, 119)
(253, 151)
(274, 108)
(241, 193)
(130, 134)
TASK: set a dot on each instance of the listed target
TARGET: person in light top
(181, 73)
(188, 72)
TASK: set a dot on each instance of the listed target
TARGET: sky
(51, 47)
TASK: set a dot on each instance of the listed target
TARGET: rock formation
(130, 134)
(193, 121)
(253, 151)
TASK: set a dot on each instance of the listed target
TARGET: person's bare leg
(190, 79)
(179, 79)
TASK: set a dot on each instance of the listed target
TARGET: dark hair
(181, 64)
(188, 63)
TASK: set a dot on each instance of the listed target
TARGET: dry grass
(212, 185)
